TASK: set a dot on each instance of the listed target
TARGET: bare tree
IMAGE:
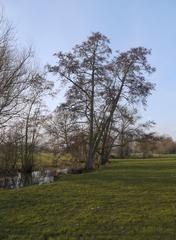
(14, 74)
(98, 83)
(84, 68)
(9, 150)
(32, 118)
(61, 125)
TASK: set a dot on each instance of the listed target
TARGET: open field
(48, 160)
(44, 159)
(126, 200)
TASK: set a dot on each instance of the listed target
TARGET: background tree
(33, 118)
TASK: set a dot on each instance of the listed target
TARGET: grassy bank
(128, 199)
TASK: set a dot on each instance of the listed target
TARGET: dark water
(21, 180)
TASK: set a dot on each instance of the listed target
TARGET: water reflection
(21, 180)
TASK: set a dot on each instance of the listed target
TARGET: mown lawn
(128, 199)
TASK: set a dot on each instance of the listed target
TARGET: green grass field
(128, 199)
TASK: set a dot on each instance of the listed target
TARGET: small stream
(21, 179)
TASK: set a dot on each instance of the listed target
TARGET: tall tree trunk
(90, 158)
(103, 157)
(27, 165)
(106, 123)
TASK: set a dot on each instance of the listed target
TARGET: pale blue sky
(53, 25)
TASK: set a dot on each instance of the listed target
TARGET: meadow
(127, 199)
